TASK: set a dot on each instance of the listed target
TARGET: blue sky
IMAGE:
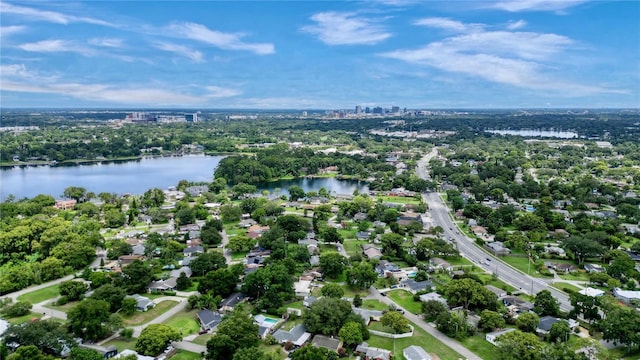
(320, 54)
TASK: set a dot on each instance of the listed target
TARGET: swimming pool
(270, 320)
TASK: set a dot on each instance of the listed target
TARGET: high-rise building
(367, 110)
(395, 109)
(377, 110)
(191, 117)
(358, 109)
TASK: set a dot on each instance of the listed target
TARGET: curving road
(468, 249)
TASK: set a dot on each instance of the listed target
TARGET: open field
(139, 317)
(480, 346)
(41, 295)
(405, 300)
(185, 322)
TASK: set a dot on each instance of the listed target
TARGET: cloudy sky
(320, 54)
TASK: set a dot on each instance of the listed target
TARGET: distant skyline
(320, 54)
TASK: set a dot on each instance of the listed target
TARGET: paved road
(440, 215)
(453, 344)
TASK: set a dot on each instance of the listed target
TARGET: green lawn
(566, 287)
(521, 263)
(41, 295)
(185, 322)
(353, 247)
(459, 261)
(139, 317)
(480, 346)
(351, 291)
(373, 305)
(405, 300)
(186, 355)
(202, 339)
(377, 326)
(237, 256)
(399, 199)
(23, 319)
(65, 308)
(348, 235)
(420, 337)
(579, 276)
(489, 280)
(122, 344)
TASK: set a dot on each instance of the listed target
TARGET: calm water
(135, 177)
(537, 133)
(332, 185)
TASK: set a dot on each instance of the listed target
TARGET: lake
(537, 133)
(136, 177)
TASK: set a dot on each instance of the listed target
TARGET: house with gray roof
(326, 342)
(493, 336)
(499, 292)
(142, 303)
(193, 251)
(298, 335)
(373, 353)
(414, 352)
(368, 314)
(416, 286)
(185, 269)
(208, 319)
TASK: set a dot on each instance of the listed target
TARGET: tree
(183, 282)
(253, 353)
(28, 352)
(559, 331)
(272, 285)
(333, 264)
(361, 275)
(20, 308)
(114, 218)
(49, 336)
(326, 316)
(185, 216)
(87, 319)
(357, 300)
(154, 339)
(236, 331)
(220, 282)
(490, 321)
(519, 345)
(75, 192)
(545, 304)
(528, 322)
(586, 305)
(470, 294)
(78, 353)
(432, 308)
(240, 243)
(331, 235)
(350, 334)
(310, 352)
(111, 294)
(206, 262)
(99, 278)
(583, 248)
(210, 236)
(295, 193)
(129, 305)
(230, 213)
(622, 326)
(392, 245)
(621, 264)
(73, 290)
(395, 321)
(332, 290)
(153, 198)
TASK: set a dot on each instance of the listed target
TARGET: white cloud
(336, 28)
(10, 30)
(520, 59)
(225, 41)
(515, 25)
(535, 5)
(107, 42)
(16, 77)
(447, 24)
(50, 16)
(48, 46)
(194, 55)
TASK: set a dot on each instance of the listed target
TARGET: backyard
(185, 322)
(405, 300)
(143, 317)
(41, 295)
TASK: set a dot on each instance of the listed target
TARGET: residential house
(142, 303)
(247, 223)
(498, 248)
(302, 288)
(368, 314)
(65, 204)
(626, 296)
(314, 260)
(106, 352)
(307, 301)
(137, 249)
(162, 285)
(479, 231)
(363, 235)
(635, 256)
(125, 260)
(440, 264)
(185, 269)
(360, 216)
(591, 292)
(386, 269)
(378, 223)
(433, 296)
(298, 335)
(593, 268)
(326, 342)
(415, 352)
(494, 335)
(499, 292)
(472, 223)
(555, 250)
(372, 353)
(408, 218)
(416, 286)
(230, 302)
(193, 251)
(127, 353)
(197, 190)
(208, 319)
(371, 252)
(547, 321)
(516, 305)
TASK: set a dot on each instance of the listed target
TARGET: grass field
(377, 326)
(23, 319)
(566, 287)
(202, 339)
(480, 346)
(353, 247)
(373, 305)
(420, 337)
(351, 291)
(41, 295)
(139, 317)
(186, 355)
(122, 344)
(399, 199)
(185, 322)
(522, 264)
(348, 234)
(405, 300)
(237, 256)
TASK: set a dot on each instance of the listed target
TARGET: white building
(591, 292)
(493, 336)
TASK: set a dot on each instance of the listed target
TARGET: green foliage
(350, 334)
(73, 290)
(519, 345)
(236, 331)
(111, 294)
(361, 275)
(183, 282)
(332, 263)
(332, 290)
(220, 282)
(528, 322)
(272, 285)
(129, 306)
(206, 262)
(490, 321)
(309, 352)
(326, 316)
(395, 321)
(49, 336)
(20, 308)
(470, 294)
(357, 300)
(78, 353)
(432, 309)
(154, 339)
(559, 332)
